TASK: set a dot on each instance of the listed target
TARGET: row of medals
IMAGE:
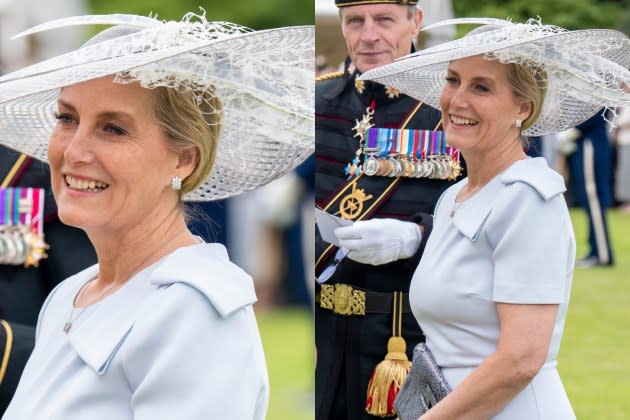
(435, 167)
(15, 244)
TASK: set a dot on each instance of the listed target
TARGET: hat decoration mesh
(584, 70)
(263, 80)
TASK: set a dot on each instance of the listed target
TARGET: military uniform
(350, 346)
(22, 289)
(592, 173)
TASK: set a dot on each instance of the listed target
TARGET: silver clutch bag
(424, 386)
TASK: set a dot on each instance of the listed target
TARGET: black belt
(344, 299)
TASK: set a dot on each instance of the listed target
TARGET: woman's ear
(525, 110)
(187, 162)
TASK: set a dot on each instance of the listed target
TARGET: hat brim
(262, 78)
(582, 77)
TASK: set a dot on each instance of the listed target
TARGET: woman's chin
(75, 218)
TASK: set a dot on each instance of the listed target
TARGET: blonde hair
(529, 84)
(192, 122)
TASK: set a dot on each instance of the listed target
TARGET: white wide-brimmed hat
(584, 69)
(263, 79)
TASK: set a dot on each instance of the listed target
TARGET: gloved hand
(566, 141)
(380, 241)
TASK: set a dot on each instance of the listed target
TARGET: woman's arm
(523, 346)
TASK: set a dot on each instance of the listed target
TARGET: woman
(492, 288)
(150, 113)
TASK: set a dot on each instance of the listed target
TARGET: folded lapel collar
(536, 173)
(207, 268)
(471, 215)
(98, 334)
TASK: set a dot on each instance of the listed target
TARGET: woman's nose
(79, 148)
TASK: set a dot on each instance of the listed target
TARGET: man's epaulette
(328, 76)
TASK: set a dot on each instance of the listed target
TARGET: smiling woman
(492, 289)
(151, 113)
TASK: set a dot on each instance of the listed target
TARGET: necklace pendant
(67, 327)
(452, 213)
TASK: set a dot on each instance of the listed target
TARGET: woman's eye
(451, 80)
(64, 118)
(482, 88)
(115, 130)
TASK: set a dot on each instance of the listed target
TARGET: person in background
(493, 285)
(591, 176)
(391, 210)
(150, 114)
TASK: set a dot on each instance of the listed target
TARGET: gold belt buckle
(342, 299)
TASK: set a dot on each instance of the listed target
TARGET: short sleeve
(532, 241)
(186, 361)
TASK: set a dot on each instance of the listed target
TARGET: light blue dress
(512, 242)
(177, 341)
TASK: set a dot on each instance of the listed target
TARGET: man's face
(376, 34)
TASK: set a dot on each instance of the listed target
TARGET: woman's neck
(124, 253)
(483, 166)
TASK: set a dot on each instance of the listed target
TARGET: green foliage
(570, 14)
(255, 14)
(288, 338)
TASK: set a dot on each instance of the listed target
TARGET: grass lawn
(289, 339)
(593, 357)
(593, 360)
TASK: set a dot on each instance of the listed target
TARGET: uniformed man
(389, 187)
(592, 177)
(26, 279)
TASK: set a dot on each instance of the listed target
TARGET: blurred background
(593, 360)
(264, 230)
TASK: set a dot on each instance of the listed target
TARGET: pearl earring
(518, 123)
(176, 183)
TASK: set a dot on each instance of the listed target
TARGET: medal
(360, 129)
(371, 166)
(21, 226)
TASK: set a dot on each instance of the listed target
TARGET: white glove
(379, 241)
(566, 140)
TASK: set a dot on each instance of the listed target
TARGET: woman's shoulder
(535, 175)
(205, 269)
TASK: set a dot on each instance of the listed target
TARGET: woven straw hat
(584, 69)
(263, 79)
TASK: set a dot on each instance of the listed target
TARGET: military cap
(346, 3)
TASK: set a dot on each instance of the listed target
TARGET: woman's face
(479, 109)
(110, 164)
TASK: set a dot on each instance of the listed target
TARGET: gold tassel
(389, 375)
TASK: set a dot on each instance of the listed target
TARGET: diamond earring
(518, 123)
(176, 183)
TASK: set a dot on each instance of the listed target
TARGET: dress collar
(470, 215)
(100, 331)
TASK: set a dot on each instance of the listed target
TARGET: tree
(570, 14)
(257, 15)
